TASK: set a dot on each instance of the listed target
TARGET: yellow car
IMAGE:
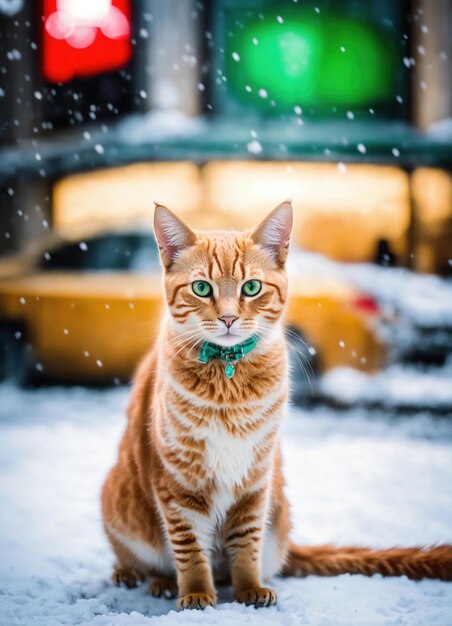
(86, 311)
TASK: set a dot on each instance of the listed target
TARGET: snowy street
(352, 477)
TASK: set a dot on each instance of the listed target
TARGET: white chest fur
(229, 457)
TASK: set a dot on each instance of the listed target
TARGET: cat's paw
(196, 600)
(259, 596)
(127, 577)
(163, 588)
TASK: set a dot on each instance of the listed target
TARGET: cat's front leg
(243, 534)
(189, 541)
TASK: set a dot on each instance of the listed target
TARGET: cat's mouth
(229, 338)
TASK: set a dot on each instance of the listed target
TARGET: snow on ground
(353, 477)
(396, 386)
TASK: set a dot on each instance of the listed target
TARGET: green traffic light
(312, 61)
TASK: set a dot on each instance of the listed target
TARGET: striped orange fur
(197, 492)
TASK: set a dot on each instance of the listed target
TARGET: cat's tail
(415, 563)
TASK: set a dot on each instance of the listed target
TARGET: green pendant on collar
(210, 350)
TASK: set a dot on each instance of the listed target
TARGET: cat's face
(224, 286)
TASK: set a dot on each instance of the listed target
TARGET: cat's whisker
(303, 363)
(194, 346)
(298, 356)
(302, 359)
(175, 342)
(181, 346)
(197, 338)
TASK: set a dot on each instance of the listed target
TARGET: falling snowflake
(408, 61)
(254, 147)
(10, 7)
(13, 55)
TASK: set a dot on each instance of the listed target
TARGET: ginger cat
(197, 492)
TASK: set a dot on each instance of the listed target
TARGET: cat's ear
(173, 236)
(273, 233)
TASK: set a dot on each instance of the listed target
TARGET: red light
(366, 304)
(85, 37)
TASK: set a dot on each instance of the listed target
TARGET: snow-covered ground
(397, 386)
(355, 477)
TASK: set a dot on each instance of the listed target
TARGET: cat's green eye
(202, 288)
(251, 288)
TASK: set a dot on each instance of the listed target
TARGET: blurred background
(221, 109)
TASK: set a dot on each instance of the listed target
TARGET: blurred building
(275, 81)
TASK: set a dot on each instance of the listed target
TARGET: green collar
(209, 351)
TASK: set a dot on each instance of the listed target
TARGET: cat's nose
(228, 320)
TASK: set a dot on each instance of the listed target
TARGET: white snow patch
(158, 124)
(397, 386)
(442, 129)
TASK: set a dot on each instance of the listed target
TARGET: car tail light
(366, 304)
